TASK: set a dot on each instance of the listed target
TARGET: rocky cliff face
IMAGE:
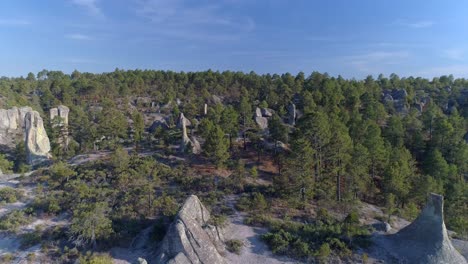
(425, 240)
(37, 142)
(12, 125)
(24, 123)
(190, 239)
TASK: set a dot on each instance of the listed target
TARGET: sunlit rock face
(426, 240)
(190, 239)
(36, 139)
(12, 125)
(25, 124)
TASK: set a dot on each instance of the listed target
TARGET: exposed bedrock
(425, 240)
(190, 239)
(37, 142)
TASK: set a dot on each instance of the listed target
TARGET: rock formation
(190, 239)
(397, 97)
(261, 121)
(37, 142)
(62, 112)
(267, 112)
(425, 240)
(186, 140)
(159, 121)
(25, 124)
(292, 114)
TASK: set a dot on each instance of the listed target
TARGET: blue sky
(342, 37)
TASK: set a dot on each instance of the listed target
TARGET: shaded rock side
(426, 240)
(292, 114)
(36, 140)
(190, 239)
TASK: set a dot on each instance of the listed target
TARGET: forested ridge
(388, 141)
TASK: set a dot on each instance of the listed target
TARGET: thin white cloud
(77, 36)
(415, 24)
(14, 22)
(376, 61)
(90, 5)
(183, 19)
(454, 54)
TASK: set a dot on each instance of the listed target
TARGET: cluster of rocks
(23, 122)
(261, 117)
(191, 239)
(187, 141)
(397, 97)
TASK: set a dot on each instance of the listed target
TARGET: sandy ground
(255, 251)
(9, 242)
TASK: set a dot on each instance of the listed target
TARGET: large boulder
(190, 239)
(37, 142)
(425, 240)
(262, 122)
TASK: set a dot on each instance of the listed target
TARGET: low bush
(234, 246)
(318, 239)
(13, 220)
(10, 195)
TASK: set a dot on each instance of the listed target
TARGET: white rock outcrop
(186, 140)
(25, 124)
(190, 239)
(60, 111)
(36, 139)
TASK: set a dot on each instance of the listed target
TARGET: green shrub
(234, 246)
(10, 195)
(278, 241)
(323, 252)
(218, 220)
(95, 259)
(300, 249)
(14, 220)
(30, 239)
(7, 258)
